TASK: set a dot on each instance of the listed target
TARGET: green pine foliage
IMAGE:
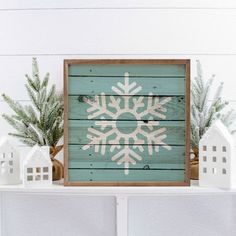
(41, 122)
(205, 111)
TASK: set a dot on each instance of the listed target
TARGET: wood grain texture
(138, 68)
(174, 109)
(78, 129)
(155, 85)
(174, 130)
(127, 183)
(145, 165)
(106, 175)
(187, 124)
(79, 158)
(66, 139)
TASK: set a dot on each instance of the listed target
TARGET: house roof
(221, 129)
(38, 154)
(7, 145)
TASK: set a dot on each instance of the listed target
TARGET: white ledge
(58, 188)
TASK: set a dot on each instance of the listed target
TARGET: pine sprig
(41, 122)
(204, 111)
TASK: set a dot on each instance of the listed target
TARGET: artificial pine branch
(204, 111)
(41, 122)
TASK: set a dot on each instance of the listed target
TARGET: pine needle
(204, 111)
(41, 122)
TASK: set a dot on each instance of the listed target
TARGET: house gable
(38, 157)
(7, 147)
(217, 132)
(216, 157)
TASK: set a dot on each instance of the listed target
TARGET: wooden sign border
(185, 62)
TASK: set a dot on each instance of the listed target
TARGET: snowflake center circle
(126, 127)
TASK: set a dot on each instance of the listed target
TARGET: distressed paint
(77, 154)
(126, 122)
(141, 165)
(118, 175)
(78, 158)
(175, 109)
(78, 130)
(157, 86)
(134, 70)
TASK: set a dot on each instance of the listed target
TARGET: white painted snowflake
(127, 153)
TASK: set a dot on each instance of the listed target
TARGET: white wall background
(52, 31)
(202, 30)
(55, 30)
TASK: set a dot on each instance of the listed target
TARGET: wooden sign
(127, 122)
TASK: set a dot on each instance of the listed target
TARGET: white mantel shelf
(122, 199)
(58, 188)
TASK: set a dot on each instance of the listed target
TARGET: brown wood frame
(185, 62)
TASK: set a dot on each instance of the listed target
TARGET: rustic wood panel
(173, 109)
(79, 158)
(77, 154)
(174, 131)
(113, 68)
(146, 165)
(126, 121)
(157, 86)
(116, 175)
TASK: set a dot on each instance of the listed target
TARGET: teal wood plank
(79, 158)
(98, 85)
(117, 175)
(173, 131)
(134, 70)
(112, 165)
(173, 109)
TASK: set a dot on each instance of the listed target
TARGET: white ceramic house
(9, 163)
(37, 167)
(217, 158)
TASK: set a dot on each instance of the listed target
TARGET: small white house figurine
(217, 158)
(37, 167)
(9, 163)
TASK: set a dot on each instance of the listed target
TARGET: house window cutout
(204, 148)
(2, 163)
(3, 155)
(38, 177)
(214, 148)
(29, 170)
(45, 169)
(214, 159)
(214, 171)
(224, 171)
(11, 163)
(38, 170)
(224, 149)
(204, 170)
(30, 178)
(11, 170)
(12, 155)
(45, 177)
(224, 159)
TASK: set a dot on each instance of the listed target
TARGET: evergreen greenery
(41, 122)
(205, 111)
